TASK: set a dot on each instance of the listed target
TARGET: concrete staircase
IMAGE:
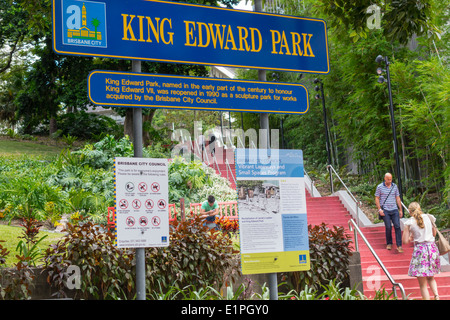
(220, 163)
(330, 210)
(326, 209)
(397, 265)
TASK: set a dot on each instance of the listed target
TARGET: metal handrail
(202, 152)
(215, 163)
(331, 167)
(240, 142)
(403, 205)
(352, 224)
(205, 154)
(348, 191)
(312, 181)
(231, 171)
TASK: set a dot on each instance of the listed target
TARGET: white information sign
(142, 208)
(273, 225)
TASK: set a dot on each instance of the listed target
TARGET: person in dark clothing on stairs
(387, 199)
(212, 146)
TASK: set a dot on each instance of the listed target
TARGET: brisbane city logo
(84, 23)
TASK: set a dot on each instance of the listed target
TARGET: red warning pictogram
(142, 186)
(143, 221)
(136, 204)
(155, 187)
(161, 204)
(149, 204)
(130, 221)
(156, 221)
(123, 204)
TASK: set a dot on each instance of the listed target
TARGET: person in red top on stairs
(387, 199)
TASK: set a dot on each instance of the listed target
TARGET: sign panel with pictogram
(149, 204)
(123, 204)
(142, 194)
(155, 187)
(142, 187)
(156, 221)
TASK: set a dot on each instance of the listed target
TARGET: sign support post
(272, 213)
(264, 124)
(137, 143)
(183, 43)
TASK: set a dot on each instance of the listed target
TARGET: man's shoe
(389, 246)
(400, 249)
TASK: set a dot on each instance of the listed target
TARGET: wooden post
(183, 215)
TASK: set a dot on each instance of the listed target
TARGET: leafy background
(83, 181)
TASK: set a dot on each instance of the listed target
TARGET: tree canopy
(36, 85)
(50, 84)
(414, 35)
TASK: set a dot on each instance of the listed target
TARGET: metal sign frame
(141, 90)
(189, 33)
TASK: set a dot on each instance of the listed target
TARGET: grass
(33, 149)
(11, 235)
(43, 149)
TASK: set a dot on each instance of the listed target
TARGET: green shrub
(329, 250)
(15, 283)
(195, 182)
(69, 140)
(27, 196)
(334, 290)
(28, 245)
(100, 155)
(83, 181)
(197, 256)
(105, 270)
(85, 125)
(11, 133)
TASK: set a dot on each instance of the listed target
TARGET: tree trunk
(145, 134)
(128, 124)
(52, 127)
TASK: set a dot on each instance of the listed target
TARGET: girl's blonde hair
(416, 212)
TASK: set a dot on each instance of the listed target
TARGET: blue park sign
(141, 90)
(189, 33)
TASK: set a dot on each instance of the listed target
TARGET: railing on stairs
(203, 155)
(201, 150)
(358, 203)
(354, 226)
(229, 171)
(307, 178)
(215, 164)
